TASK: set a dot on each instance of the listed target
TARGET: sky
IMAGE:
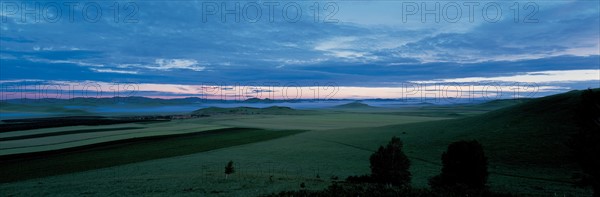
(298, 49)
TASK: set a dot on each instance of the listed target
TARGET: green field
(118, 152)
(525, 141)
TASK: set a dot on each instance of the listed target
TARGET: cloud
(108, 70)
(357, 48)
(38, 48)
(372, 49)
(171, 64)
(76, 62)
(552, 76)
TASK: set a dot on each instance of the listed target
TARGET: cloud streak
(553, 76)
(170, 64)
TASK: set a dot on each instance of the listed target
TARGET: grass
(323, 121)
(112, 133)
(47, 163)
(52, 122)
(524, 140)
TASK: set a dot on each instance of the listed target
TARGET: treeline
(464, 173)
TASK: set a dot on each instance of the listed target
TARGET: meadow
(525, 141)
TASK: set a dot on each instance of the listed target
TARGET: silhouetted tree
(229, 169)
(389, 165)
(586, 143)
(464, 168)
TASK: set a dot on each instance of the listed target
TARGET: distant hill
(258, 100)
(91, 101)
(273, 110)
(138, 100)
(354, 105)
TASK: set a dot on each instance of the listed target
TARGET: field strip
(56, 122)
(438, 164)
(84, 127)
(100, 139)
(94, 156)
(20, 137)
(180, 131)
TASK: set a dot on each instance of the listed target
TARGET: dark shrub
(464, 169)
(389, 165)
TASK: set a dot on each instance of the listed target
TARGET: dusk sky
(351, 49)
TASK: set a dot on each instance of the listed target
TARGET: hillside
(273, 110)
(533, 132)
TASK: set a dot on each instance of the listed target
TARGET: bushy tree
(229, 169)
(389, 165)
(464, 168)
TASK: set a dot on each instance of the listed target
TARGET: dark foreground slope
(527, 144)
(534, 132)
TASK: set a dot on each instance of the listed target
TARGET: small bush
(229, 169)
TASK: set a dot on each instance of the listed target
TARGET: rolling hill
(273, 110)
(530, 133)
(354, 105)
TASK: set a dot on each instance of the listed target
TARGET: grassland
(118, 152)
(273, 110)
(525, 141)
(74, 136)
